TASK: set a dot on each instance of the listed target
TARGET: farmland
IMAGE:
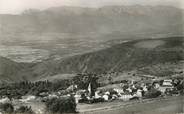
(170, 105)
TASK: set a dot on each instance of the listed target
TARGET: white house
(167, 83)
(77, 98)
(5, 100)
(125, 97)
(97, 94)
(139, 93)
(106, 97)
(28, 98)
(163, 88)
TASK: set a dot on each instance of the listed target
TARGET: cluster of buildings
(124, 91)
(128, 91)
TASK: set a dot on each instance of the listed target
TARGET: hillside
(124, 57)
(9, 70)
(149, 56)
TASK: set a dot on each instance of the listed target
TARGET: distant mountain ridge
(123, 57)
(107, 19)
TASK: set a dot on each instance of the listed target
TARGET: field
(171, 105)
(149, 44)
(37, 48)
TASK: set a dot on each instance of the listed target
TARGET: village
(129, 90)
(124, 90)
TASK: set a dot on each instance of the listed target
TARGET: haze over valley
(60, 32)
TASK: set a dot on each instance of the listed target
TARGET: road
(170, 105)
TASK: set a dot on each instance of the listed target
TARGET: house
(28, 98)
(156, 85)
(97, 94)
(145, 88)
(50, 96)
(77, 98)
(5, 100)
(164, 88)
(139, 93)
(167, 83)
(78, 95)
(125, 97)
(118, 90)
(129, 90)
(72, 88)
(106, 97)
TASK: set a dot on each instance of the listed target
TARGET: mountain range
(134, 19)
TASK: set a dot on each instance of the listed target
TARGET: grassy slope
(9, 70)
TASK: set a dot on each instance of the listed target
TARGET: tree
(7, 108)
(61, 105)
(152, 93)
(24, 109)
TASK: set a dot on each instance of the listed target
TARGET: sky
(17, 6)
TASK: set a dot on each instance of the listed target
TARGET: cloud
(17, 6)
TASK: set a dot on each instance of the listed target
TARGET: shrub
(153, 93)
(61, 105)
(24, 109)
(7, 108)
(97, 100)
